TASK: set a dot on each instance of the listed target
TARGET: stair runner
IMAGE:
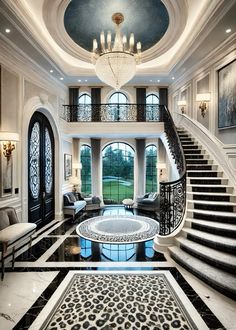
(206, 245)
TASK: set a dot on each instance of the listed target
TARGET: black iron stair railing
(173, 193)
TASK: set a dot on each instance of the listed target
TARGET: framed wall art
(227, 96)
(67, 166)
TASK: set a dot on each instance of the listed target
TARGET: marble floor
(43, 275)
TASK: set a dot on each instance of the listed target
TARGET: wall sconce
(203, 98)
(182, 104)
(7, 138)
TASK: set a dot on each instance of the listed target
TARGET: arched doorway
(118, 172)
(41, 198)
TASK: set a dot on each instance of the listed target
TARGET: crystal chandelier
(115, 62)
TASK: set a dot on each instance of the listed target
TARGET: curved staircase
(206, 245)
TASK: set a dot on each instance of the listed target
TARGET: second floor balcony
(113, 112)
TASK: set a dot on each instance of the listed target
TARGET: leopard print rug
(119, 301)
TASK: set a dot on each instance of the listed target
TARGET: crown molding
(227, 47)
(14, 58)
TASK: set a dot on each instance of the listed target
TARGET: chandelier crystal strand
(115, 63)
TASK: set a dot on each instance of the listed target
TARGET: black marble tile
(39, 304)
(75, 249)
(62, 229)
(37, 250)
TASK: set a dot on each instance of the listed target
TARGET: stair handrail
(173, 193)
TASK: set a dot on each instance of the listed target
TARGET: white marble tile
(18, 292)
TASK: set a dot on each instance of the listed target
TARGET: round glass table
(118, 229)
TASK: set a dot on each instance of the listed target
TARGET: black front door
(40, 170)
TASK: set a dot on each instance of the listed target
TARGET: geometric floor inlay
(150, 300)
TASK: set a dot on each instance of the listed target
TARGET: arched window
(85, 159)
(118, 109)
(152, 110)
(85, 111)
(85, 99)
(152, 99)
(118, 172)
(151, 170)
(118, 98)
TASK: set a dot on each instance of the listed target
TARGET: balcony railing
(112, 112)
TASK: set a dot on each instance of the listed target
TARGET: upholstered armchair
(12, 232)
(149, 202)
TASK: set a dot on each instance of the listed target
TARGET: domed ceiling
(84, 20)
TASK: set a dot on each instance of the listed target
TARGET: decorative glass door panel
(40, 170)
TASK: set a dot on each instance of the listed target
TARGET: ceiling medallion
(115, 62)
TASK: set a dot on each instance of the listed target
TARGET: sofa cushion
(69, 199)
(14, 232)
(12, 215)
(96, 200)
(79, 197)
(4, 219)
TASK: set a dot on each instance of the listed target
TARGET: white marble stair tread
(212, 224)
(211, 237)
(208, 252)
(205, 193)
(210, 212)
(214, 275)
(212, 203)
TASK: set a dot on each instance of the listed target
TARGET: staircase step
(210, 188)
(204, 173)
(193, 151)
(199, 161)
(225, 217)
(192, 147)
(218, 279)
(216, 258)
(199, 156)
(187, 143)
(207, 181)
(211, 196)
(221, 243)
(212, 205)
(198, 167)
(216, 228)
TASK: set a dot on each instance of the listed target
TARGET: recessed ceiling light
(151, 80)
(158, 80)
(61, 78)
(86, 80)
(51, 71)
(228, 30)
(173, 78)
(7, 30)
(79, 80)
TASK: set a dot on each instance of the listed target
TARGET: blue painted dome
(147, 19)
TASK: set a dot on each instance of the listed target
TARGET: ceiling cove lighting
(115, 61)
